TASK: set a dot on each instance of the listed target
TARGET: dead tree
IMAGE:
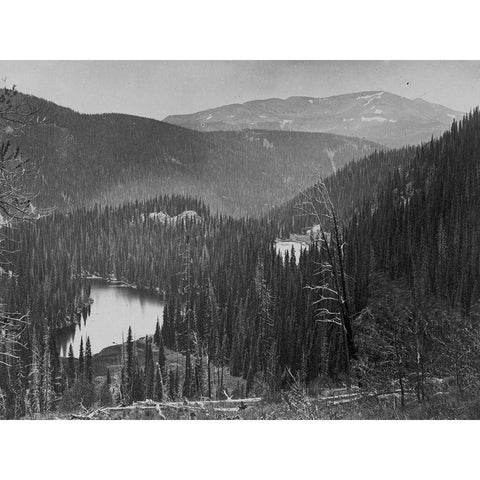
(333, 302)
(16, 203)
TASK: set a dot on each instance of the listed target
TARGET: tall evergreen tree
(70, 367)
(162, 359)
(88, 361)
(172, 394)
(81, 361)
(47, 375)
(149, 368)
(157, 335)
(35, 375)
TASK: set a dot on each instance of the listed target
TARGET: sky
(156, 89)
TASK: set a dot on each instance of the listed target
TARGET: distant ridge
(375, 115)
(112, 158)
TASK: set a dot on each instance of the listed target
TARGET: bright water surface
(283, 246)
(113, 310)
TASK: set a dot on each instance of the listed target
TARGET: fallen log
(228, 405)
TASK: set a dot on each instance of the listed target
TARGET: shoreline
(122, 283)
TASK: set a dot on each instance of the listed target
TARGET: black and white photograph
(286, 257)
(222, 241)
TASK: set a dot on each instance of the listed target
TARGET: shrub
(82, 393)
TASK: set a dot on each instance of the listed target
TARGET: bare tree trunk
(335, 289)
(209, 378)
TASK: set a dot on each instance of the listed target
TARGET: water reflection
(114, 309)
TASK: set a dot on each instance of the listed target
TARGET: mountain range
(379, 116)
(85, 159)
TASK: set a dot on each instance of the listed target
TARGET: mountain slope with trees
(111, 158)
(385, 300)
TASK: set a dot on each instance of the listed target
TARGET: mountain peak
(376, 115)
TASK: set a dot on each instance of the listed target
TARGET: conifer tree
(70, 367)
(129, 368)
(88, 361)
(199, 376)
(157, 336)
(171, 385)
(138, 385)
(81, 361)
(187, 383)
(105, 393)
(162, 359)
(187, 390)
(35, 375)
(47, 380)
(159, 390)
(149, 368)
(56, 366)
(176, 383)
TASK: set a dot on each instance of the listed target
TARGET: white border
(243, 30)
(246, 29)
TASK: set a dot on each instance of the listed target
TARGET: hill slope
(423, 224)
(378, 116)
(111, 158)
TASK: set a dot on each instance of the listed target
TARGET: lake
(284, 246)
(113, 310)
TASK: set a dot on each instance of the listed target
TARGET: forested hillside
(349, 188)
(423, 225)
(230, 298)
(111, 158)
(385, 299)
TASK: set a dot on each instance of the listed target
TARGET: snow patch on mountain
(370, 98)
(373, 119)
(339, 114)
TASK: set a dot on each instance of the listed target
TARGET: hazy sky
(159, 88)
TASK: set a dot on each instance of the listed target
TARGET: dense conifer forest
(384, 298)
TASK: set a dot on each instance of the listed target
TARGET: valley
(83, 160)
(238, 295)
